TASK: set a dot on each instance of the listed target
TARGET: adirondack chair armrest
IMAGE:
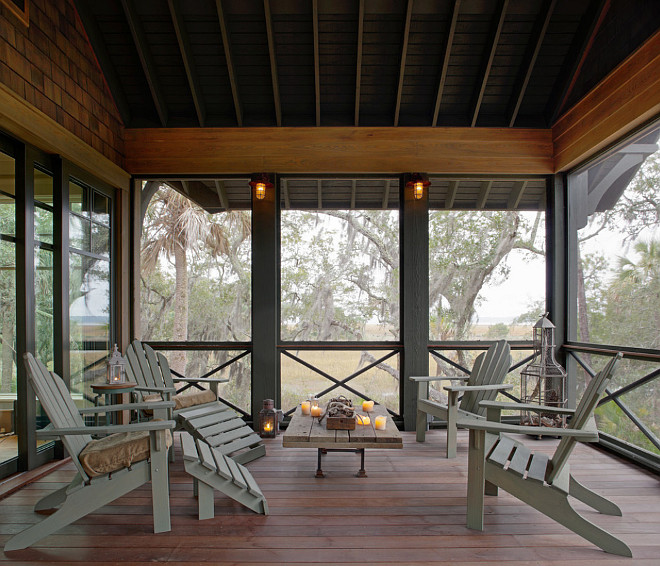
(508, 406)
(439, 378)
(104, 430)
(126, 407)
(155, 389)
(489, 387)
(199, 379)
(584, 435)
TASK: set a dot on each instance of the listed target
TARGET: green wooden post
(265, 297)
(414, 281)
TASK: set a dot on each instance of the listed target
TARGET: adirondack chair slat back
(165, 370)
(490, 368)
(581, 416)
(56, 400)
(144, 368)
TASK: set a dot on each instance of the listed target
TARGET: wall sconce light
(260, 182)
(418, 183)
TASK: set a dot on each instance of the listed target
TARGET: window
(89, 285)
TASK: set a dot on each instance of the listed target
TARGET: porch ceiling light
(260, 182)
(418, 183)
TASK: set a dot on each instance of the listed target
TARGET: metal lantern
(116, 367)
(543, 381)
(268, 420)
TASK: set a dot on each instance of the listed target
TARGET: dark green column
(25, 305)
(558, 256)
(414, 280)
(265, 297)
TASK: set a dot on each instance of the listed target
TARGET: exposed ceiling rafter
(353, 191)
(485, 73)
(285, 194)
(103, 57)
(402, 66)
(531, 55)
(186, 55)
(319, 194)
(486, 186)
(451, 194)
(222, 194)
(386, 194)
(577, 55)
(445, 60)
(233, 81)
(358, 72)
(516, 194)
(317, 63)
(273, 63)
(146, 59)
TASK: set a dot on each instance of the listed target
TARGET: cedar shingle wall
(52, 66)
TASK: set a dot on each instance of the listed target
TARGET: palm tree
(178, 229)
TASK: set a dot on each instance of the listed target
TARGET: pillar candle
(304, 407)
(363, 420)
(316, 411)
(380, 423)
(367, 406)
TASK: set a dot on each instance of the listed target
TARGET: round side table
(114, 394)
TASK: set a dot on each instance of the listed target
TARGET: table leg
(319, 471)
(361, 473)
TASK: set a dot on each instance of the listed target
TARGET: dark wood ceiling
(228, 63)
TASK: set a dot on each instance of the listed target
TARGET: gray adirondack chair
(85, 494)
(214, 422)
(483, 384)
(496, 460)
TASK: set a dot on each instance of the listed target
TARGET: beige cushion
(183, 401)
(116, 451)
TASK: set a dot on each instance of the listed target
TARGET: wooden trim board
(31, 125)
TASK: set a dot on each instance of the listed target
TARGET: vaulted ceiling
(244, 63)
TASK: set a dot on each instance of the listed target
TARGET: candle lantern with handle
(116, 367)
(268, 420)
(543, 381)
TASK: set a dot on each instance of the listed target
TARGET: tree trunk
(180, 328)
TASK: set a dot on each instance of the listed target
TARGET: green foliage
(498, 331)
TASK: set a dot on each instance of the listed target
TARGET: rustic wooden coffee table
(306, 432)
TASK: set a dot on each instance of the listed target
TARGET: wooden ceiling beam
(222, 194)
(445, 60)
(109, 71)
(533, 48)
(317, 63)
(364, 150)
(402, 66)
(233, 81)
(273, 63)
(358, 73)
(451, 194)
(186, 55)
(488, 62)
(582, 43)
(146, 59)
(483, 194)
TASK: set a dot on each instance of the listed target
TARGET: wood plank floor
(410, 510)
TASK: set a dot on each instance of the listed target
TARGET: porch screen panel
(195, 286)
(616, 211)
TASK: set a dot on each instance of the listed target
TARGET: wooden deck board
(409, 511)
